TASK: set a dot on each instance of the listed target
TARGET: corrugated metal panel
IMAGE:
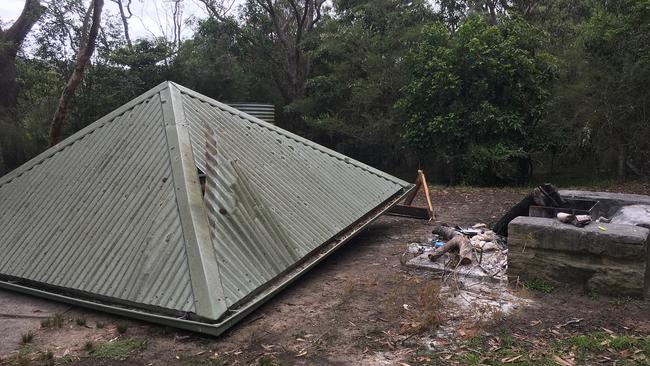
(98, 214)
(115, 211)
(265, 112)
(283, 196)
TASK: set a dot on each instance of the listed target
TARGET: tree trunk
(10, 41)
(83, 56)
(621, 161)
(8, 85)
(125, 19)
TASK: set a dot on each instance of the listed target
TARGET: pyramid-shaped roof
(115, 217)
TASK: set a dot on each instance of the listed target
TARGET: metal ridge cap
(201, 258)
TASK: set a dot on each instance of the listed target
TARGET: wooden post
(407, 209)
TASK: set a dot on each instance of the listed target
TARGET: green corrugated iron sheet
(98, 215)
(265, 112)
(115, 213)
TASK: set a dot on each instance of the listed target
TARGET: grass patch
(27, 337)
(122, 328)
(89, 346)
(99, 325)
(623, 342)
(644, 344)
(429, 317)
(540, 285)
(48, 358)
(472, 358)
(54, 321)
(66, 359)
(118, 350)
(593, 342)
(80, 321)
(475, 342)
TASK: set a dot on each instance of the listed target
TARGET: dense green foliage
(477, 96)
(477, 91)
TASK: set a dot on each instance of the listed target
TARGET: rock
(609, 262)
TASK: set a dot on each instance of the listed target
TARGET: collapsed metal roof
(114, 217)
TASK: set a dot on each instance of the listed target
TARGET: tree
(357, 74)
(477, 97)
(125, 15)
(278, 31)
(11, 40)
(616, 43)
(212, 62)
(90, 31)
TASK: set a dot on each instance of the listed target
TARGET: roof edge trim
(202, 260)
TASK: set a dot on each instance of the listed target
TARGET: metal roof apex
(114, 216)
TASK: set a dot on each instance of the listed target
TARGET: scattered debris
(575, 220)
(475, 252)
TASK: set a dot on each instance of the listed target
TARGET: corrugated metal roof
(115, 212)
(284, 195)
(98, 214)
(265, 112)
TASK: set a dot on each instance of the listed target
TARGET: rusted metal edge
(235, 316)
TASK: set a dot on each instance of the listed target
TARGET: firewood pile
(474, 252)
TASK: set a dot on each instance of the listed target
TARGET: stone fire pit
(604, 258)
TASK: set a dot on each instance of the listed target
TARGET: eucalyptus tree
(11, 40)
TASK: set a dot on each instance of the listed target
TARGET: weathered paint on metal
(97, 214)
(282, 196)
(115, 213)
(236, 314)
(201, 257)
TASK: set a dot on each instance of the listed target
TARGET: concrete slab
(609, 202)
(21, 313)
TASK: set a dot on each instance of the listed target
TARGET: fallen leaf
(511, 359)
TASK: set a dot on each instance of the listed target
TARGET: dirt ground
(358, 307)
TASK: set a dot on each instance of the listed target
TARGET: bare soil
(360, 306)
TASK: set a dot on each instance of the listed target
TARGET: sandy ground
(360, 306)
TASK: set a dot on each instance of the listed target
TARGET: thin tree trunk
(83, 56)
(621, 161)
(10, 41)
(125, 19)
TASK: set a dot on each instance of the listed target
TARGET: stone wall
(608, 203)
(609, 262)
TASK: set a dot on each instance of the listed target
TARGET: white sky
(150, 17)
